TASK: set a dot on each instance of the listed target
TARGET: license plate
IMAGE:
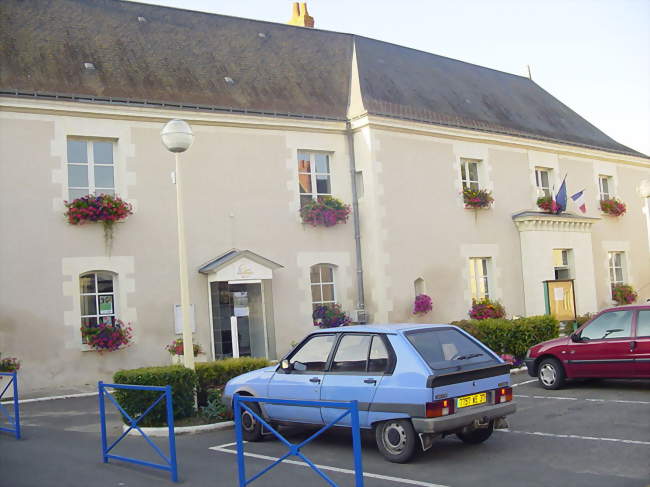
(472, 400)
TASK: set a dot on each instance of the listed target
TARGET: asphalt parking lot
(592, 433)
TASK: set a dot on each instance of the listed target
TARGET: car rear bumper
(463, 418)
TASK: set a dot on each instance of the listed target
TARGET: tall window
(91, 168)
(97, 293)
(313, 176)
(616, 268)
(322, 285)
(469, 173)
(479, 280)
(605, 187)
(543, 181)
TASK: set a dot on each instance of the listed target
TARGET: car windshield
(444, 348)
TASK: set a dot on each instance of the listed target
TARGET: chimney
(300, 16)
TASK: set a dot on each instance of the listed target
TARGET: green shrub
(215, 410)
(513, 337)
(214, 375)
(182, 380)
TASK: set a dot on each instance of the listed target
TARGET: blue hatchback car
(413, 383)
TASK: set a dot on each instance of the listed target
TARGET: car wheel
(396, 440)
(479, 435)
(551, 374)
(251, 428)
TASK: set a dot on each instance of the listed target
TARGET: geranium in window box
(329, 316)
(422, 304)
(104, 208)
(477, 198)
(325, 211)
(483, 309)
(175, 348)
(548, 204)
(107, 337)
(623, 294)
(613, 207)
(9, 364)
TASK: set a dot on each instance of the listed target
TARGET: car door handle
(632, 346)
(315, 380)
(370, 381)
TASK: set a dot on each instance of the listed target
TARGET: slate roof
(233, 255)
(176, 56)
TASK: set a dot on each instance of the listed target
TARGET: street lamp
(177, 137)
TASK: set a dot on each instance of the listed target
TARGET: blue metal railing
(14, 420)
(351, 408)
(170, 462)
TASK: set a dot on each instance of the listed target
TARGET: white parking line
(577, 437)
(224, 449)
(620, 401)
(524, 382)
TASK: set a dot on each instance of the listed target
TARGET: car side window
(643, 323)
(613, 324)
(352, 354)
(378, 358)
(313, 355)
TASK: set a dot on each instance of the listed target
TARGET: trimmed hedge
(182, 380)
(513, 337)
(214, 375)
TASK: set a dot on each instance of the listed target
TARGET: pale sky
(593, 55)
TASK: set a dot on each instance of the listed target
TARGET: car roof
(382, 328)
(626, 306)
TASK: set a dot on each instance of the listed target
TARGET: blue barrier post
(351, 408)
(170, 464)
(15, 421)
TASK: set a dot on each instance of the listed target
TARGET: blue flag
(561, 197)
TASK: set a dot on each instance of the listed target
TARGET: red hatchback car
(613, 344)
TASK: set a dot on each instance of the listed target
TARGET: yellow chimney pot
(300, 16)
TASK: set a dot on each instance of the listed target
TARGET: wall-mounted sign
(178, 319)
(106, 305)
(560, 299)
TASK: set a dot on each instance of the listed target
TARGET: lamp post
(177, 137)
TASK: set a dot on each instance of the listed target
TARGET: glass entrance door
(238, 319)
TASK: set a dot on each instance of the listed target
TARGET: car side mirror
(285, 365)
(575, 338)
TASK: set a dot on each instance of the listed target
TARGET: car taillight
(440, 408)
(503, 394)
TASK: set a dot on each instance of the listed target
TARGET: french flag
(579, 199)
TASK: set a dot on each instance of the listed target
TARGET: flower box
(104, 208)
(330, 316)
(613, 207)
(477, 198)
(548, 204)
(623, 294)
(9, 364)
(325, 211)
(485, 308)
(107, 337)
(422, 304)
(177, 352)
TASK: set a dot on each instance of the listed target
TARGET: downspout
(362, 317)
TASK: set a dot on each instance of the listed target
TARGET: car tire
(251, 428)
(551, 374)
(396, 440)
(477, 436)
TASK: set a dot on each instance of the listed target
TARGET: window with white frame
(479, 280)
(97, 297)
(562, 261)
(322, 285)
(605, 187)
(91, 167)
(616, 268)
(469, 173)
(313, 176)
(543, 181)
